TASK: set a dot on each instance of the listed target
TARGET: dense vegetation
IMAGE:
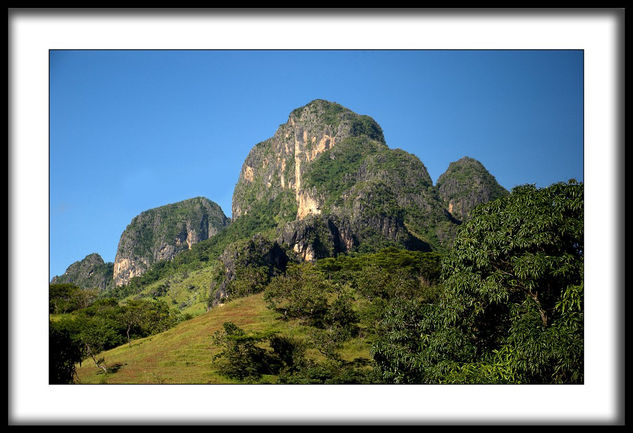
(83, 326)
(335, 171)
(335, 300)
(465, 184)
(512, 306)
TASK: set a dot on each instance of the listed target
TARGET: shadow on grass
(112, 369)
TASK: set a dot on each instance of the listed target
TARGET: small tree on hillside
(97, 334)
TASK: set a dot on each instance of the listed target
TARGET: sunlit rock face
(161, 233)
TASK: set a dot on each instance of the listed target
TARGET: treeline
(82, 326)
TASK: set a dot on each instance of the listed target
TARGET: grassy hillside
(184, 354)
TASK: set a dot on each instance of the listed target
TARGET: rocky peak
(276, 166)
(466, 184)
(328, 161)
(160, 233)
(89, 273)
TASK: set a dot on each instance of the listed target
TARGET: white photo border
(33, 33)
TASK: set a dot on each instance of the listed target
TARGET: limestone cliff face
(277, 165)
(89, 273)
(327, 161)
(160, 233)
(466, 184)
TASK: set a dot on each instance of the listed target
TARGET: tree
(300, 293)
(64, 298)
(142, 317)
(97, 334)
(64, 353)
(512, 308)
(240, 356)
(133, 315)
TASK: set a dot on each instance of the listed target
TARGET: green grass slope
(184, 354)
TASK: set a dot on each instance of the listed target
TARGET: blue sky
(133, 130)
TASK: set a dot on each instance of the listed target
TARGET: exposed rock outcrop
(160, 233)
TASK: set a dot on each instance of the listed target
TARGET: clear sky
(133, 130)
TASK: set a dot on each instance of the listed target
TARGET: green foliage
(343, 296)
(146, 317)
(511, 311)
(64, 353)
(365, 125)
(397, 353)
(335, 170)
(331, 371)
(246, 267)
(151, 228)
(389, 273)
(249, 280)
(98, 333)
(331, 113)
(240, 358)
(64, 298)
(378, 200)
(101, 326)
(246, 357)
(89, 273)
(465, 184)
(300, 293)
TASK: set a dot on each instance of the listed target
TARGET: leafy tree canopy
(511, 310)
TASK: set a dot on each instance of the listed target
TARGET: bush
(245, 357)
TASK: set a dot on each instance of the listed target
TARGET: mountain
(464, 185)
(159, 234)
(325, 183)
(333, 184)
(89, 273)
